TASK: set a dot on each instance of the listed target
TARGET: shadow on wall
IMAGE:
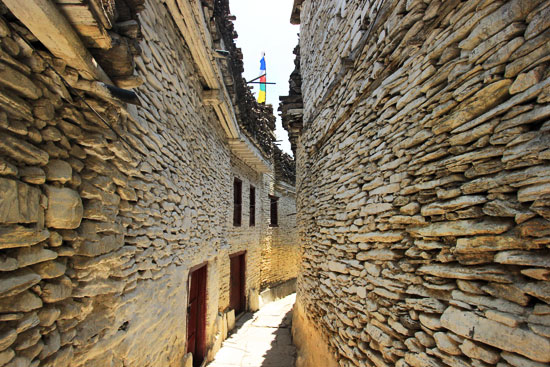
(312, 347)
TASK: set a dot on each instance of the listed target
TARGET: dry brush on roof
(256, 119)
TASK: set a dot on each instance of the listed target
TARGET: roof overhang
(189, 18)
(284, 187)
(249, 154)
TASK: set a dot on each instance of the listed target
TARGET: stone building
(422, 136)
(142, 198)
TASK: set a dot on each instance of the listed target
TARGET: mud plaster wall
(423, 181)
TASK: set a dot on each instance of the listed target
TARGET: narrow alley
(147, 197)
(262, 339)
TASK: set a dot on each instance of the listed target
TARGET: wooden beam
(47, 24)
(228, 121)
(212, 97)
(90, 29)
(185, 19)
(190, 20)
(295, 14)
(229, 115)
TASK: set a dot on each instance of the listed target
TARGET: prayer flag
(261, 95)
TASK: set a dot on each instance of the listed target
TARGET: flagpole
(253, 80)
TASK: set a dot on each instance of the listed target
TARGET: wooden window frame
(237, 202)
(252, 207)
(273, 211)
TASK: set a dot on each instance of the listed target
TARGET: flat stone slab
(524, 342)
(263, 340)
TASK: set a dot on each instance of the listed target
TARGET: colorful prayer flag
(261, 95)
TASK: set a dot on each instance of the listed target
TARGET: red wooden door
(237, 283)
(196, 316)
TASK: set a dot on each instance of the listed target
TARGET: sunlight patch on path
(263, 340)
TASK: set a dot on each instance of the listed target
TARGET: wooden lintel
(47, 24)
(212, 97)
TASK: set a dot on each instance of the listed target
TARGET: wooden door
(196, 315)
(237, 283)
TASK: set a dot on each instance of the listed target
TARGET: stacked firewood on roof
(257, 120)
(285, 166)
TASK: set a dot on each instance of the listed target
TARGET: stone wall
(98, 226)
(292, 106)
(423, 181)
(98, 237)
(280, 257)
(245, 237)
(271, 252)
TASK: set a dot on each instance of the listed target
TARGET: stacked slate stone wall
(292, 106)
(279, 238)
(97, 236)
(424, 182)
(244, 237)
(280, 255)
(271, 252)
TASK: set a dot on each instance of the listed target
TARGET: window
(273, 210)
(252, 217)
(237, 202)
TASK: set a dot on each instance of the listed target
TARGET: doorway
(196, 315)
(237, 282)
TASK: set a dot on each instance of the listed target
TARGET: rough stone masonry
(98, 234)
(423, 157)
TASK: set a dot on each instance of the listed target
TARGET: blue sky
(264, 25)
